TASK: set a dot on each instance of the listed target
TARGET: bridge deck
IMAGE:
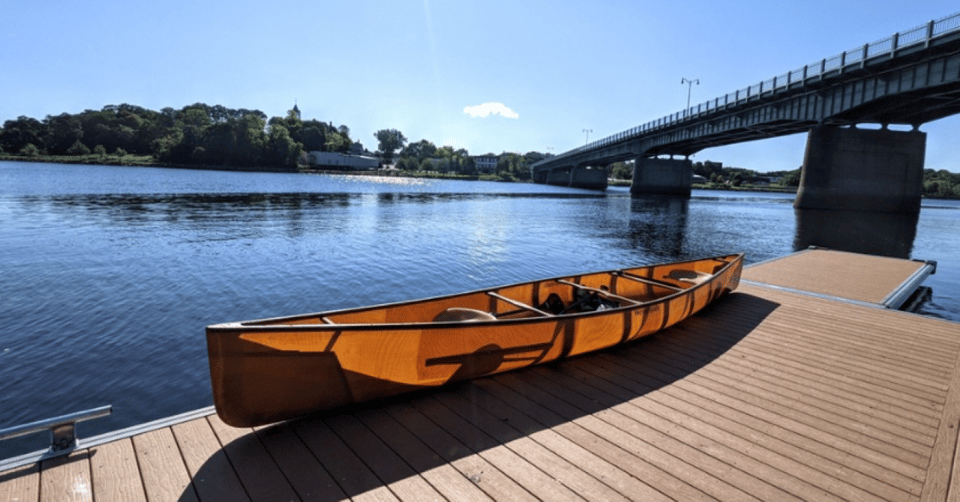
(769, 395)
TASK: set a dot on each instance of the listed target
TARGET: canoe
(269, 370)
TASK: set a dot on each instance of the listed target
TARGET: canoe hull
(276, 369)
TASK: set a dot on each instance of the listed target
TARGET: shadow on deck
(548, 432)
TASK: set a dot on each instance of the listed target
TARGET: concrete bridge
(910, 78)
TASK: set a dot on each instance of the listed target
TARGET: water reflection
(881, 234)
(658, 223)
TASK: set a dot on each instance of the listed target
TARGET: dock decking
(770, 394)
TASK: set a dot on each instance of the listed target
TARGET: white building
(486, 163)
(339, 161)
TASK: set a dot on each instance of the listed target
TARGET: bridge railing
(825, 68)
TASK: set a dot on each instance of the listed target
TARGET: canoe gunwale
(261, 325)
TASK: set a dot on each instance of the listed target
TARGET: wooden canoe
(270, 370)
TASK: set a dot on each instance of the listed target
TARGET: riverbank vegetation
(195, 135)
(216, 137)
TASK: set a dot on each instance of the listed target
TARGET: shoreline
(148, 161)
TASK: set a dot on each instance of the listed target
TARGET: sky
(487, 75)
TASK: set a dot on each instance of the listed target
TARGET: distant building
(341, 162)
(486, 163)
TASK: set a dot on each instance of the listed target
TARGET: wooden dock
(780, 391)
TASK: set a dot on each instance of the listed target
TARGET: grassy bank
(107, 160)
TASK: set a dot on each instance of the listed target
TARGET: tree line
(205, 135)
(197, 134)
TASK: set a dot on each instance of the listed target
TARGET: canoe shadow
(459, 432)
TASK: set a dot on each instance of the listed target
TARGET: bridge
(907, 79)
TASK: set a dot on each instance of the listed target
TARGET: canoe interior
(531, 293)
(269, 370)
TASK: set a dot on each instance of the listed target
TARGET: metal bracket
(63, 433)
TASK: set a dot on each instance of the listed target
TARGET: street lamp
(588, 131)
(689, 88)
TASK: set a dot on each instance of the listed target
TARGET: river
(110, 274)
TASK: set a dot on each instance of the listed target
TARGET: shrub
(78, 148)
(100, 150)
(119, 152)
(29, 150)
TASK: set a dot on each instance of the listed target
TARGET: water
(110, 274)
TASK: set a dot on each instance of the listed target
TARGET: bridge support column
(662, 176)
(593, 179)
(558, 177)
(862, 170)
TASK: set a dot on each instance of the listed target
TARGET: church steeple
(295, 109)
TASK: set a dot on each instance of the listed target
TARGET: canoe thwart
(647, 280)
(601, 292)
(519, 304)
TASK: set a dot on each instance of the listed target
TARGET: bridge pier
(593, 179)
(862, 170)
(578, 177)
(662, 176)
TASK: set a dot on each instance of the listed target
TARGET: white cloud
(490, 109)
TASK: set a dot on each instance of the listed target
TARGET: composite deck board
(115, 473)
(768, 395)
(844, 275)
(66, 479)
(162, 468)
(21, 484)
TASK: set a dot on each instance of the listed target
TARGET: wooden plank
(846, 450)
(165, 476)
(566, 472)
(694, 440)
(213, 476)
(307, 476)
(115, 473)
(591, 464)
(255, 467)
(448, 481)
(66, 478)
(21, 484)
(810, 460)
(942, 473)
(478, 470)
(515, 466)
(350, 473)
(402, 480)
(604, 447)
(666, 453)
(847, 407)
(845, 275)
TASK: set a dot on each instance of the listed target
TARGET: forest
(197, 134)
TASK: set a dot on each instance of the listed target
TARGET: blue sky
(554, 67)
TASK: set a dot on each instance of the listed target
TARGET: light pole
(588, 131)
(689, 88)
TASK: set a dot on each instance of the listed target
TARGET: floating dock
(803, 384)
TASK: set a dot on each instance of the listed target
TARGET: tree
(390, 140)
(282, 150)
(422, 149)
(62, 131)
(78, 148)
(336, 142)
(16, 134)
(29, 150)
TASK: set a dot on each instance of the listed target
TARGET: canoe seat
(689, 276)
(456, 314)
